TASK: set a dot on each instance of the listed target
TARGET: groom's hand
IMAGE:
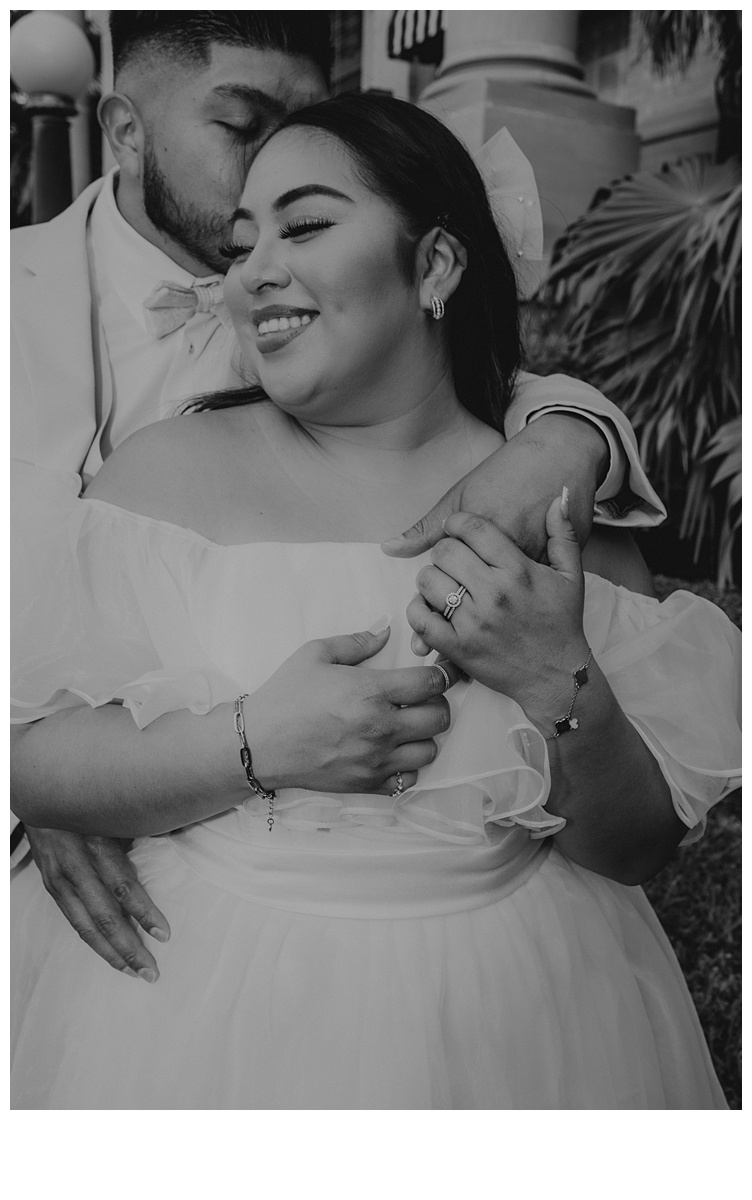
(516, 486)
(94, 884)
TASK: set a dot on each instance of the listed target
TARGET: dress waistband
(358, 873)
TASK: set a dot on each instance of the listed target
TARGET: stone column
(519, 70)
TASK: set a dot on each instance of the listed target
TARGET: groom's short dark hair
(189, 34)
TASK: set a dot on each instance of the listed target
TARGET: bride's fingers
(434, 585)
(431, 628)
(423, 579)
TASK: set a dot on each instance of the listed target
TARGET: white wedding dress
(430, 951)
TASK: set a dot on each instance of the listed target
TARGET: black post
(52, 186)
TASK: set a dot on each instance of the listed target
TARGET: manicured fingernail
(160, 934)
(149, 975)
(381, 624)
(564, 505)
(128, 971)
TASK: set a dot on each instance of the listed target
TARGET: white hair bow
(513, 195)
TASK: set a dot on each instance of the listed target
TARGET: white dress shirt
(150, 377)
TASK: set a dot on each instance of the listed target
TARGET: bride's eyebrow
(308, 189)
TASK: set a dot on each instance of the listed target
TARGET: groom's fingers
(88, 927)
(70, 875)
(118, 874)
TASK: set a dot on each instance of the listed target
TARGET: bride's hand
(324, 723)
(518, 628)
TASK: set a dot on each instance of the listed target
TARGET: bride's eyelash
(305, 225)
(233, 250)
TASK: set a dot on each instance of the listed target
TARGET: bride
(408, 901)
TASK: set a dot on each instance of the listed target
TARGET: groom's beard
(197, 232)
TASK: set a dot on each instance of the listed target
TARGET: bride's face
(322, 308)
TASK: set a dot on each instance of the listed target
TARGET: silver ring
(400, 785)
(439, 667)
(452, 601)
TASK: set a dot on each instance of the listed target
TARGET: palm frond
(645, 290)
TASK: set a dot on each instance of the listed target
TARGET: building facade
(576, 90)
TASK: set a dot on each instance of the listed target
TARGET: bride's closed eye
(233, 250)
(294, 229)
(305, 225)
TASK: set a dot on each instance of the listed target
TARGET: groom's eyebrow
(298, 193)
(253, 97)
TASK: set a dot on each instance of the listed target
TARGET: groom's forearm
(555, 451)
(515, 486)
(92, 771)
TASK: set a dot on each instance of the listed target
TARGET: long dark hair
(413, 162)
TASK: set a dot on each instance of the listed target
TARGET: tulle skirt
(353, 972)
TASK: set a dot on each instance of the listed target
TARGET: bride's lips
(279, 324)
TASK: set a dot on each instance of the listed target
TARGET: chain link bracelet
(567, 722)
(245, 758)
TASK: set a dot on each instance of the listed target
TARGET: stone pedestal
(519, 70)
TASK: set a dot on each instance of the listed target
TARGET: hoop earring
(437, 308)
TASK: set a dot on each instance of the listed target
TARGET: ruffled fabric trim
(675, 668)
(459, 809)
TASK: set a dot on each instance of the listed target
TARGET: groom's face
(201, 134)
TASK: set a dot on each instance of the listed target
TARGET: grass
(697, 897)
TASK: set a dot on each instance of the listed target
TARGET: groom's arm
(561, 432)
(95, 886)
(625, 496)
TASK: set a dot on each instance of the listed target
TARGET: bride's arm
(519, 631)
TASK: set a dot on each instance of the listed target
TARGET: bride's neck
(410, 431)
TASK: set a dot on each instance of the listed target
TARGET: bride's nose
(260, 273)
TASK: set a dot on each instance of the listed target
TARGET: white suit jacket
(59, 409)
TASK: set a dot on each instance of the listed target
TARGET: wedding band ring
(439, 667)
(400, 785)
(452, 601)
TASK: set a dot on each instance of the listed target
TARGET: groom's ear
(124, 130)
(441, 261)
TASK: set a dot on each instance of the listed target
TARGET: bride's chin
(291, 400)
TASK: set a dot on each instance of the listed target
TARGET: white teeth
(281, 324)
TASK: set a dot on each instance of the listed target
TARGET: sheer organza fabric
(109, 604)
(431, 950)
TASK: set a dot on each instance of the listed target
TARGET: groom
(101, 347)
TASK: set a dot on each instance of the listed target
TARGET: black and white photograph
(375, 422)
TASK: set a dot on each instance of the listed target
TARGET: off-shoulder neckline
(193, 535)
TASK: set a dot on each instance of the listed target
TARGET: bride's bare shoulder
(175, 470)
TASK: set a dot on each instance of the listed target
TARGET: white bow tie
(170, 305)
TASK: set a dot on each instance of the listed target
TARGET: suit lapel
(58, 412)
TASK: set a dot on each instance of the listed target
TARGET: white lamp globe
(49, 53)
